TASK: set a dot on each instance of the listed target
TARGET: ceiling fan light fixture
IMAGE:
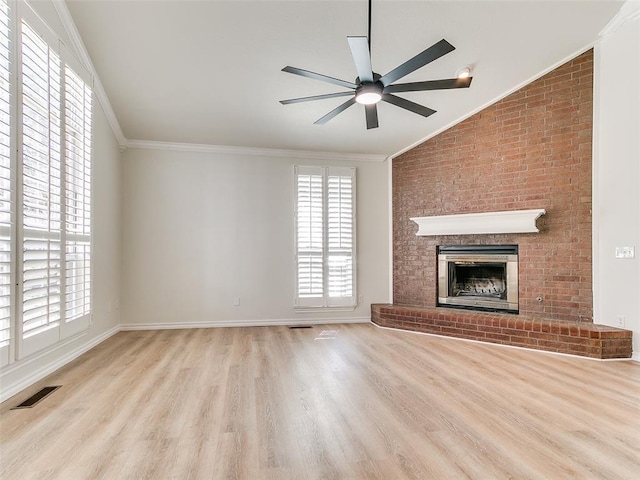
(369, 94)
(464, 72)
(368, 98)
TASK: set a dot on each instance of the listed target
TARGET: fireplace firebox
(478, 277)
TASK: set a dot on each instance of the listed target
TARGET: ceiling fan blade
(407, 105)
(372, 116)
(361, 57)
(335, 111)
(315, 97)
(318, 76)
(432, 53)
(429, 85)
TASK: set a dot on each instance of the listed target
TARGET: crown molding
(252, 151)
(630, 10)
(80, 50)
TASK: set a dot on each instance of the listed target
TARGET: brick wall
(529, 150)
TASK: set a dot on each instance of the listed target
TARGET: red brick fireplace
(531, 150)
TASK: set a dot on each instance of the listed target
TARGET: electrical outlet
(360, 299)
(620, 321)
(625, 252)
(236, 301)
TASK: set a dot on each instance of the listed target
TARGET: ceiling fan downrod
(369, 33)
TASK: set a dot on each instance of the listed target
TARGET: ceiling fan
(369, 87)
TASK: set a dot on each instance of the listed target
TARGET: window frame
(325, 300)
(7, 348)
(22, 344)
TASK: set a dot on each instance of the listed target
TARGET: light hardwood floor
(357, 403)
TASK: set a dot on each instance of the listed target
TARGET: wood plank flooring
(358, 403)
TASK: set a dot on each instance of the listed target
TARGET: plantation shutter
(310, 235)
(41, 189)
(340, 236)
(325, 236)
(78, 196)
(45, 186)
(5, 185)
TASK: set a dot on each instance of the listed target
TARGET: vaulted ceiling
(209, 72)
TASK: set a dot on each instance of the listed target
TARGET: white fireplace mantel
(515, 221)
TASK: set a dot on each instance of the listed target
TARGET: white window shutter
(45, 186)
(325, 236)
(309, 236)
(41, 186)
(340, 236)
(77, 133)
(6, 257)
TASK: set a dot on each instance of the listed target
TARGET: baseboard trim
(10, 390)
(242, 323)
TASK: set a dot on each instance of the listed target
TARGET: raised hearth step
(576, 338)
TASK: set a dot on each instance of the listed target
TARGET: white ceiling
(209, 72)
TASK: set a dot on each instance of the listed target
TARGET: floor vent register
(37, 397)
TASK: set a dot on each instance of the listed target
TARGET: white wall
(106, 256)
(616, 173)
(107, 216)
(201, 228)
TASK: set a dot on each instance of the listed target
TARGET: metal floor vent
(300, 326)
(36, 397)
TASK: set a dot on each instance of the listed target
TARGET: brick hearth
(576, 338)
